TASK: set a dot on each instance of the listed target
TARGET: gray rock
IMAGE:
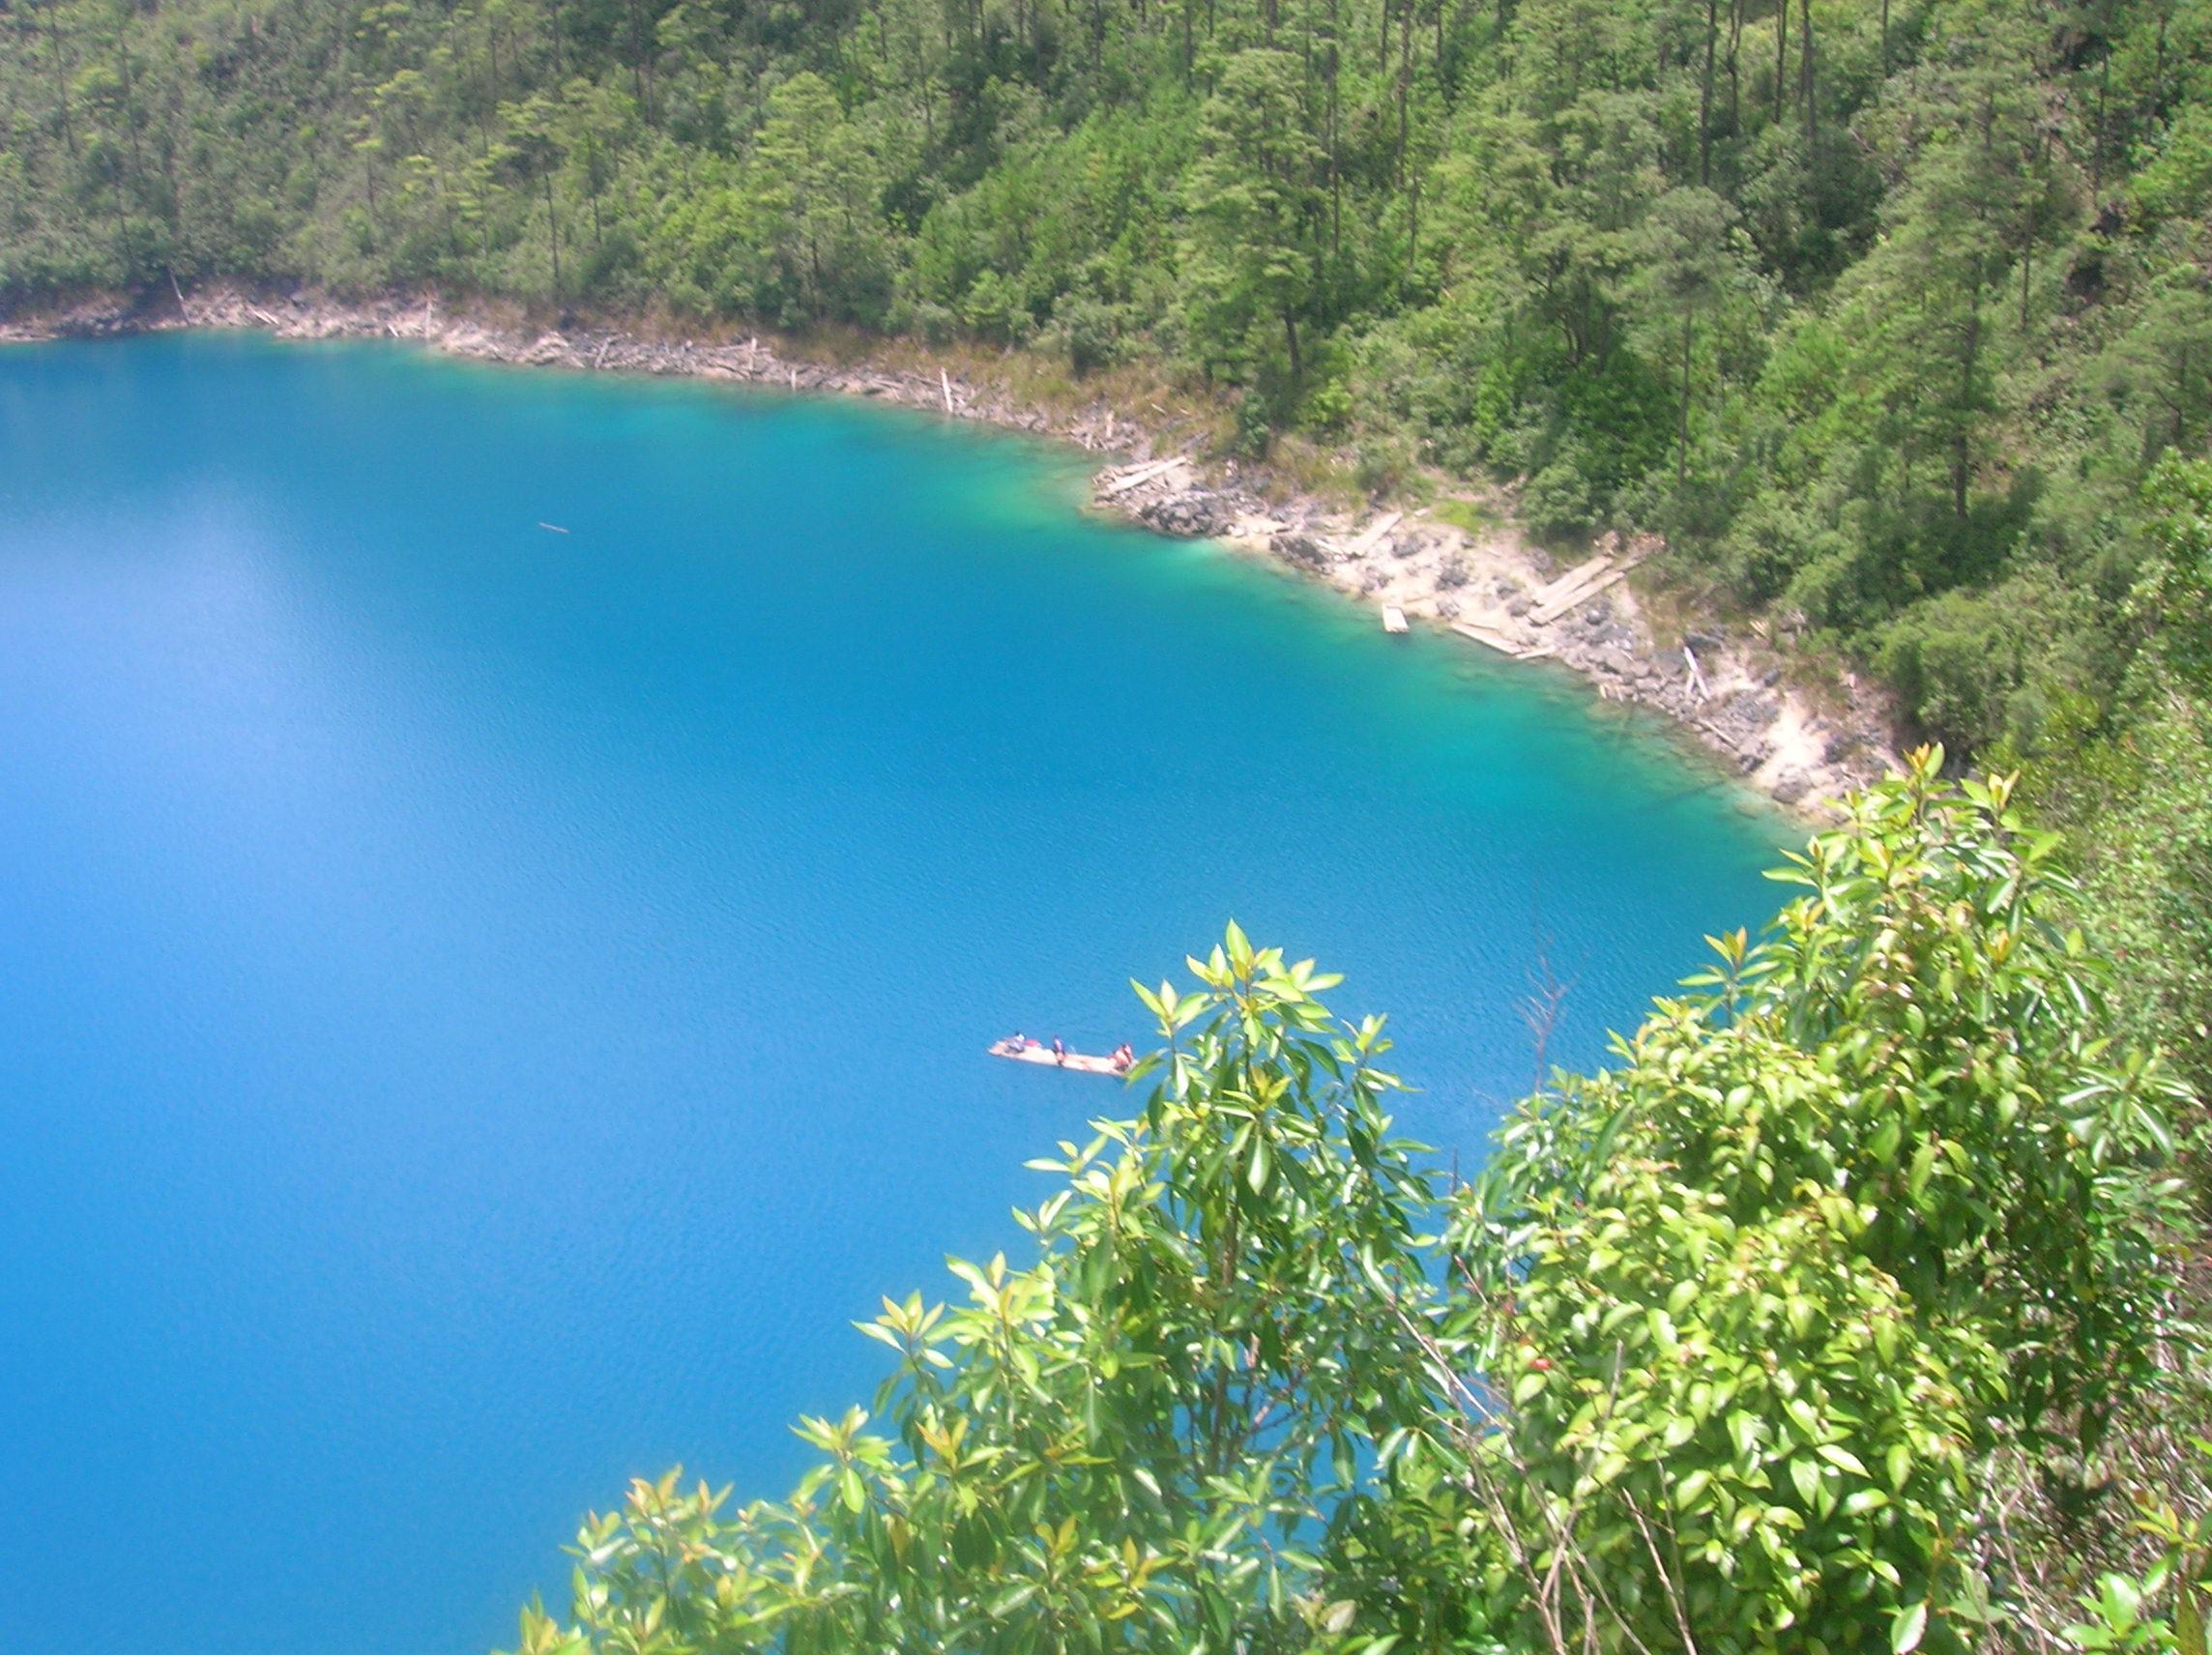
(1192, 515)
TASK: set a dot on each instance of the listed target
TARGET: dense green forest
(1837, 1314)
(1882, 311)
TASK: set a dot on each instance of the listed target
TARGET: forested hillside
(1885, 312)
(1882, 309)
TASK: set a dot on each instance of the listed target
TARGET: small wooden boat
(1082, 1062)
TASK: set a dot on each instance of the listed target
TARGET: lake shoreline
(1725, 693)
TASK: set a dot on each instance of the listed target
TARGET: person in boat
(1124, 1054)
(1059, 1051)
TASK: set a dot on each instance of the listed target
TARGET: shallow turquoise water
(484, 1007)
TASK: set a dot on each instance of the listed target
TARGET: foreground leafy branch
(1713, 1357)
(1765, 1294)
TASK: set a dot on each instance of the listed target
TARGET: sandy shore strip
(1724, 687)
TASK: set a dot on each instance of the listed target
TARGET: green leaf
(1805, 1477)
(1923, 1166)
(1898, 1462)
(1239, 949)
(1743, 1432)
(1907, 1627)
(1012, 1597)
(1836, 1454)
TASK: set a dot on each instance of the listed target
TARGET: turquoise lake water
(482, 1008)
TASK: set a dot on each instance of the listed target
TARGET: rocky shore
(1725, 689)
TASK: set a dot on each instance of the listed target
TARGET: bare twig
(1540, 1007)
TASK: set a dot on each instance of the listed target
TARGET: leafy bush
(1144, 1436)
(1710, 1355)
(1762, 1296)
(1089, 331)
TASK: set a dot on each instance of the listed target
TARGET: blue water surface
(482, 1007)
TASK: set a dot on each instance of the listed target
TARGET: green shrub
(1762, 1295)
(1714, 1354)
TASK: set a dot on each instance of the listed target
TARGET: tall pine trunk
(553, 230)
(1682, 411)
(1805, 77)
(61, 75)
(1735, 68)
(1781, 57)
(1705, 96)
(1961, 450)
